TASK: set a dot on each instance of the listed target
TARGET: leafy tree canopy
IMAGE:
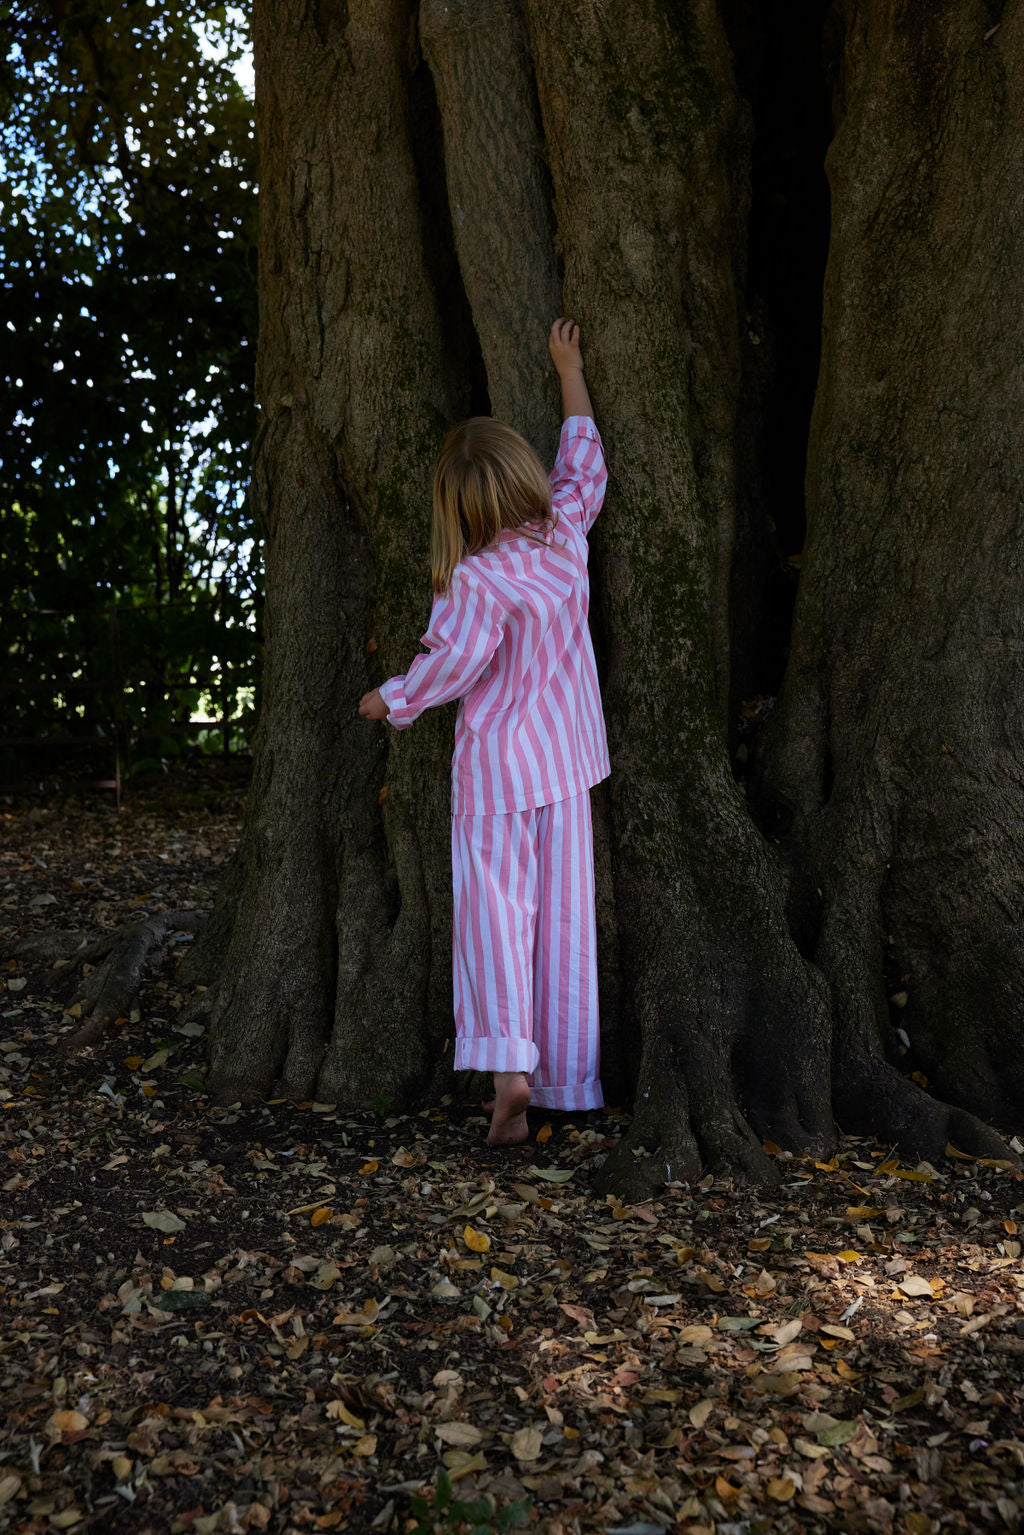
(128, 304)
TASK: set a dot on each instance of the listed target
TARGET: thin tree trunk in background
(437, 185)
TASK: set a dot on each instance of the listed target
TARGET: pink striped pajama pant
(525, 949)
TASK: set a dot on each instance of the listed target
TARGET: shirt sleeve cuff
(399, 713)
(575, 427)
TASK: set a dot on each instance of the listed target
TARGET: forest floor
(293, 1318)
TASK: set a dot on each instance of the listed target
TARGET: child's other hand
(372, 706)
(564, 344)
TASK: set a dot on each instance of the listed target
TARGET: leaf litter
(288, 1317)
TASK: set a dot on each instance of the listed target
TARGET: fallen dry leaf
(781, 1489)
(915, 1284)
(525, 1443)
(163, 1220)
(68, 1422)
(461, 1435)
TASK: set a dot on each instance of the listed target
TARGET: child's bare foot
(511, 1101)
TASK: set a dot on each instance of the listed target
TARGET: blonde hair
(487, 478)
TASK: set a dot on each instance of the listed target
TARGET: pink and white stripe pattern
(510, 639)
(525, 950)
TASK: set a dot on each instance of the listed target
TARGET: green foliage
(128, 307)
(444, 1514)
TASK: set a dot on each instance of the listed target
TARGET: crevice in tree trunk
(499, 196)
(780, 70)
(463, 358)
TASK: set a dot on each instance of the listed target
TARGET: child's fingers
(565, 332)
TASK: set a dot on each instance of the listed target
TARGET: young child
(508, 636)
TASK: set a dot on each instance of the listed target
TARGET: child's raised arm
(579, 476)
(564, 344)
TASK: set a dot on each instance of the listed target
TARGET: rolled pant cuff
(578, 1096)
(485, 1054)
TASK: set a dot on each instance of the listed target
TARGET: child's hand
(564, 344)
(372, 706)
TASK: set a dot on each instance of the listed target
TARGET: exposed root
(109, 990)
(785, 1063)
(633, 1173)
(730, 1147)
(233, 1090)
(875, 1099)
(659, 1148)
(636, 1169)
(793, 1108)
(870, 1096)
(56, 948)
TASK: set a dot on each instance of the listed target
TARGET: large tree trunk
(334, 977)
(652, 190)
(898, 746)
(438, 183)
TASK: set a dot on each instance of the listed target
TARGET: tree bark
(438, 183)
(336, 952)
(652, 182)
(898, 738)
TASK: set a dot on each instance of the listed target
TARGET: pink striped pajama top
(510, 639)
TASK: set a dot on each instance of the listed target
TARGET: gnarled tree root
(873, 1098)
(57, 947)
(736, 1050)
(110, 989)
